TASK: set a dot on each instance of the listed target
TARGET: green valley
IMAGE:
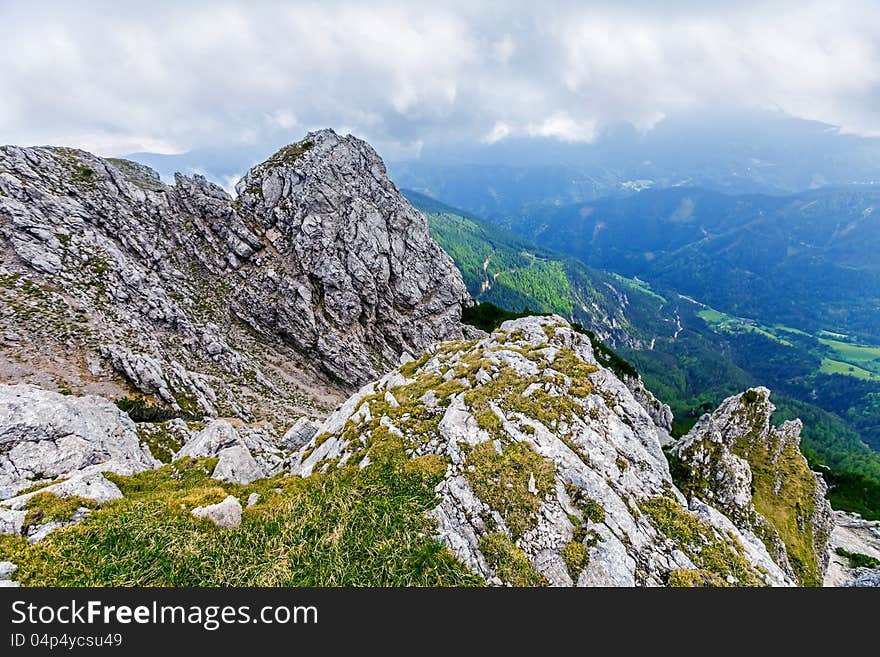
(690, 354)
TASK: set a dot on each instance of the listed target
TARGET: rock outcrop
(552, 471)
(225, 514)
(317, 278)
(236, 462)
(45, 436)
(756, 475)
(854, 541)
(358, 280)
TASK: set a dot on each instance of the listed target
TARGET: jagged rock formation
(756, 475)
(553, 471)
(318, 277)
(363, 282)
(659, 412)
(243, 455)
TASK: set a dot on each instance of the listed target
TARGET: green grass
(858, 560)
(347, 528)
(724, 323)
(639, 285)
(863, 357)
(501, 481)
(830, 366)
(715, 556)
(510, 562)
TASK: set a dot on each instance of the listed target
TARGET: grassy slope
(348, 528)
(516, 274)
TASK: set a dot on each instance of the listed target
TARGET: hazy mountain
(760, 152)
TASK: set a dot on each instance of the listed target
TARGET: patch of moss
(783, 491)
(144, 409)
(686, 578)
(47, 507)
(592, 510)
(84, 175)
(858, 560)
(576, 557)
(162, 443)
(721, 556)
(290, 154)
(509, 561)
(409, 369)
(502, 482)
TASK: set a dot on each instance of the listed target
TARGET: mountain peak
(755, 474)
(184, 293)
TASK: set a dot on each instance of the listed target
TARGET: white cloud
(503, 49)
(498, 132)
(174, 76)
(564, 128)
(283, 118)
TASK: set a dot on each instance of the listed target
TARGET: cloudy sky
(118, 77)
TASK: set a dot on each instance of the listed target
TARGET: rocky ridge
(756, 475)
(318, 277)
(553, 470)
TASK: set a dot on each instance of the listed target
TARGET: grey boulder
(225, 514)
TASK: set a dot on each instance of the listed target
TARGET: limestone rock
(299, 434)
(225, 514)
(865, 577)
(855, 535)
(363, 282)
(235, 465)
(88, 485)
(318, 277)
(756, 475)
(7, 569)
(550, 461)
(216, 436)
(659, 412)
(45, 435)
(11, 521)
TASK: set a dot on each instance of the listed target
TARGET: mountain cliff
(228, 328)
(316, 278)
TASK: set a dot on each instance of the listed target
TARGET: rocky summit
(755, 474)
(277, 389)
(316, 278)
(553, 472)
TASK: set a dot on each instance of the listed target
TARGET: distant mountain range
(759, 152)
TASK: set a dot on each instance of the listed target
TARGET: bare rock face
(854, 551)
(241, 459)
(271, 306)
(755, 474)
(45, 435)
(550, 470)
(659, 412)
(357, 281)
